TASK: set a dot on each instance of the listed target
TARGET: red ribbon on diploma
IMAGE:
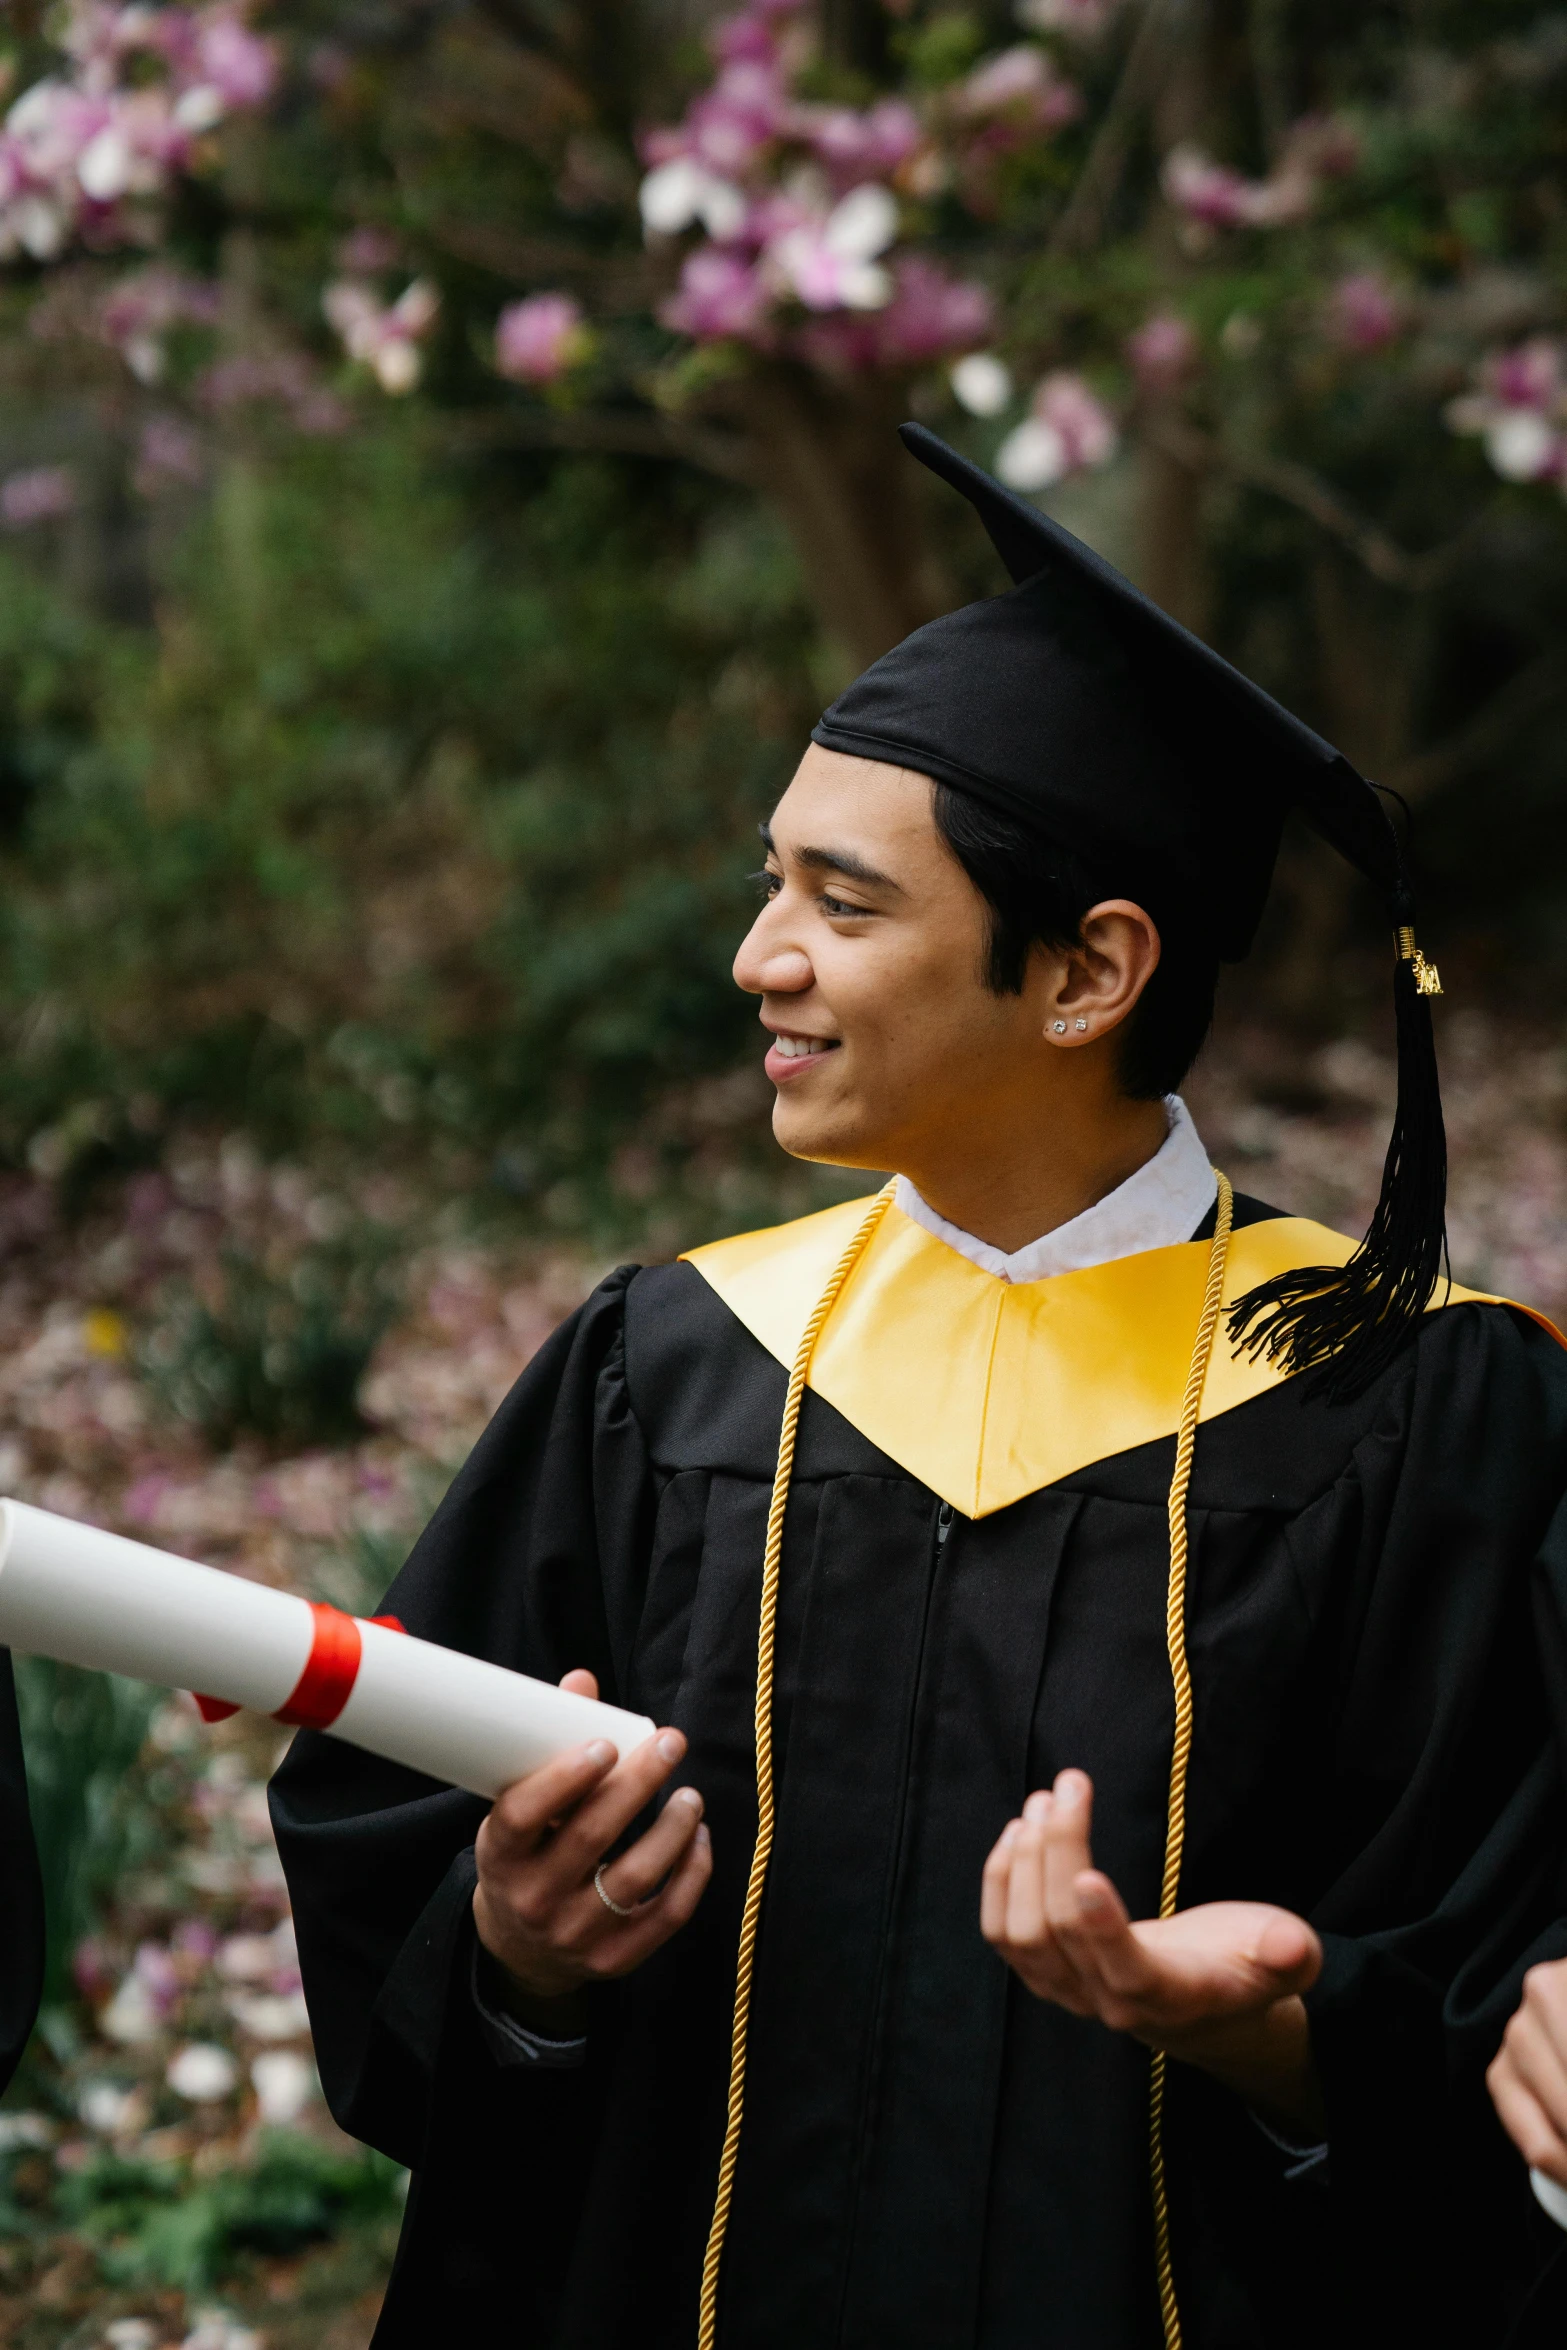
(325, 1685)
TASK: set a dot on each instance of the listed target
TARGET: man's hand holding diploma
(1217, 1986)
(538, 1911)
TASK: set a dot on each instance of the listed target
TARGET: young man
(1049, 1543)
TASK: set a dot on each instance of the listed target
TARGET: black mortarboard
(1075, 705)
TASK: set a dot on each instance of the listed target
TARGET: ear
(1102, 976)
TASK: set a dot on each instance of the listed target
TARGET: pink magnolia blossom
(255, 378)
(1518, 409)
(754, 32)
(365, 251)
(1364, 312)
(79, 146)
(49, 129)
(1066, 430)
(1163, 351)
(169, 455)
(385, 339)
(142, 310)
(720, 297)
(1023, 88)
(1217, 197)
(541, 339)
(856, 146)
(1530, 376)
(830, 263)
(744, 111)
(929, 316)
(39, 493)
(234, 61)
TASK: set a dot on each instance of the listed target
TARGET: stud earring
(1060, 1027)
(1080, 1023)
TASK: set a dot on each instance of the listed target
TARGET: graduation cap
(1076, 706)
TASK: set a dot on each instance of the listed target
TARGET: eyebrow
(841, 861)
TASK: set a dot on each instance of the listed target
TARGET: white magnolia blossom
(1522, 445)
(270, 2015)
(214, 2329)
(133, 2015)
(982, 383)
(25, 2129)
(109, 2110)
(201, 2072)
(679, 193)
(285, 2083)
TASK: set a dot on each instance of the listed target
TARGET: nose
(769, 965)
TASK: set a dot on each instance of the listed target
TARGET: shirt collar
(1164, 1202)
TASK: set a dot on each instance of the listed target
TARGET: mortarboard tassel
(1348, 1325)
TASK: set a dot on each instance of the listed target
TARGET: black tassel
(1348, 1324)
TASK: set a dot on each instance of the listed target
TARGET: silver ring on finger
(621, 1909)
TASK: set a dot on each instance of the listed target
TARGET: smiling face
(890, 1050)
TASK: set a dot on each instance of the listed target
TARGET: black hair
(1038, 893)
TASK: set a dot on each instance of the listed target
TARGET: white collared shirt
(1164, 1202)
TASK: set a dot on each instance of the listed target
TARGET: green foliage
(426, 815)
(81, 1732)
(278, 1354)
(153, 2224)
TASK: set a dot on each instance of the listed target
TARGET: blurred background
(446, 463)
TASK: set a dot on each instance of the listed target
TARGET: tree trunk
(1170, 551)
(1365, 675)
(830, 459)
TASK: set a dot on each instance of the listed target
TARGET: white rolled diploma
(1549, 2196)
(84, 1597)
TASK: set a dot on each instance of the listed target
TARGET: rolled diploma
(1549, 2196)
(84, 1597)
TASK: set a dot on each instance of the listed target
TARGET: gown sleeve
(531, 1562)
(1444, 1778)
(21, 1890)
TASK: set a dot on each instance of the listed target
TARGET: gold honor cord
(772, 1559)
(1181, 1753)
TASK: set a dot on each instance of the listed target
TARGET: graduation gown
(931, 2158)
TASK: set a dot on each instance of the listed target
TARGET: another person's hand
(536, 1907)
(1217, 1986)
(1528, 2075)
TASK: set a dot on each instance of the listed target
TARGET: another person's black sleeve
(21, 1891)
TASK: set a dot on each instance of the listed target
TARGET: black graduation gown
(21, 1890)
(932, 2159)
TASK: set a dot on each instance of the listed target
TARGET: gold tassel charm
(1428, 980)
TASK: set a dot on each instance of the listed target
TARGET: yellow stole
(985, 1390)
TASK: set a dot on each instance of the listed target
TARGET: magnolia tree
(1092, 236)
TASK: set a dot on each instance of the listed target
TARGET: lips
(789, 1056)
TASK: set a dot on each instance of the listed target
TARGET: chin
(825, 1141)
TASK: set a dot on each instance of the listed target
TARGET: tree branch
(1081, 223)
(1527, 695)
(1297, 486)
